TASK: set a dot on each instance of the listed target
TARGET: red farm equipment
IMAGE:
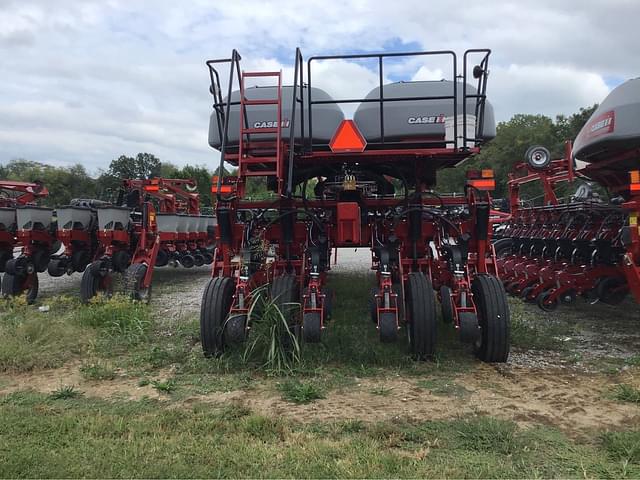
(76, 230)
(128, 244)
(186, 236)
(553, 253)
(373, 178)
(29, 227)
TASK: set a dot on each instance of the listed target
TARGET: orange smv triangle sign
(347, 139)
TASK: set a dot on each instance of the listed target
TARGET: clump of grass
(627, 393)
(165, 386)
(65, 392)
(118, 317)
(299, 392)
(273, 341)
(381, 390)
(622, 446)
(488, 434)
(97, 371)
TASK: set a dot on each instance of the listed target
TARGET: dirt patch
(576, 403)
(47, 381)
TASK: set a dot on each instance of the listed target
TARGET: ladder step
(254, 160)
(260, 74)
(269, 101)
(257, 173)
(249, 131)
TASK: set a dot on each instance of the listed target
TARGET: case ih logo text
(271, 124)
(604, 123)
(430, 119)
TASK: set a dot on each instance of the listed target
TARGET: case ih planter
(29, 227)
(585, 247)
(353, 183)
(34, 234)
(76, 230)
(182, 240)
(125, 246)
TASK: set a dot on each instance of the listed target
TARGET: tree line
(512, 140)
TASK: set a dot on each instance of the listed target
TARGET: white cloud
(88, 81)
(544, 89)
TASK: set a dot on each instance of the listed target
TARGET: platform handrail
(298, 79)
(480, 96)
(222, 108)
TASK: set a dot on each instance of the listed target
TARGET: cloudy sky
(84, 81)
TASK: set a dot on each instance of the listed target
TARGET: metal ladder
(258, 157)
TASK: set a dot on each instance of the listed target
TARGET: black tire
(311, 327)
(120, 260)
(388, 327)
(208, 258)
(421, 316)
(14, 285)
(57, 267)
(609, 292)
(214, 309)
(446, 304)
(537, 157)
(133, 279)
(89, 285)
(503, 247)
(40, 260)
(547, 307)
(162, 258)
(95, 279)
(5, 256)
(285, 293)
(494, 319)
(80, 259)
(198, 260)
(10, 266)
(187, 261)
(235, 329)
(524, 294)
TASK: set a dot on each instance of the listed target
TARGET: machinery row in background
(583, 246)
(153, 223)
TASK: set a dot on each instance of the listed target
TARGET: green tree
(513, 138)
(63, 183)
(142, 166)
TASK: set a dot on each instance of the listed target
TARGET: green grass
(67, 434)
(34, 340)
(65, 392)
(85, 437)
(299, 392)
(627, 393)
(165, 386)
